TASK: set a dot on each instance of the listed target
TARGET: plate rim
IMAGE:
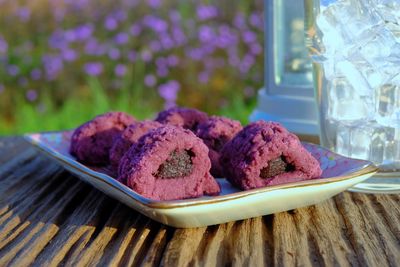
(368, 168)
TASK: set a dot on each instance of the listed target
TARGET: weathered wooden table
(48, 217)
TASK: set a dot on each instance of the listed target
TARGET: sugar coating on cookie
(168, 163)
(128, 138)
(215, 133)
(265, 154)
(188, 118)
(91, 142)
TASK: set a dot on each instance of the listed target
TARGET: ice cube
(360, 141)
(343, 139)
(388, 105)
(387, 9)
(362, 18)
(368, 140)
(332, 38)
(376, 43)
(355, 78)
(391, 160)
(378, 142)
(344, 103)
(394, 28)
(373, 75)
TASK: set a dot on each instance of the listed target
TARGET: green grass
(75, 111)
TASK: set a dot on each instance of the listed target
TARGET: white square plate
(339, 173)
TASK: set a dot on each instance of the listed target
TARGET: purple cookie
(215, 133)
(168, 163)
(266, 154)
(91, 142)
(129, 137)
(187, 118)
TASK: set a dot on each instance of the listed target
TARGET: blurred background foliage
(64, 61)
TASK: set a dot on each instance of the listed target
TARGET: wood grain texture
(50, 218)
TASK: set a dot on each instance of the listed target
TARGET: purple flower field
(63, 61)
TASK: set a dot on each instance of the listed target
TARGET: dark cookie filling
(275, 167)
(179, 164)
(219, 143)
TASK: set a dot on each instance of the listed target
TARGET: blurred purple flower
(240, 21)
(174, 16)
(249, 37)
(154, 3)
(155, 46)
(146, 55)
(132, 56)
(256, 20)
(83, 32)
(179, 36)
(255, 49)
(166, 41)
(206, 33)
(110, 23)
(135, 30)
(194, 53)
(13, 70)
(150, 80)
(3, 45)
(119, 15)
(161, 62)
(53, 65)
(120, 70)
(162, 71)
(1, 88)
(249, 59)
(93, 68)
(169, 91)
(70, 35)
(92, 47)
(69, 55)
(121, 38)
(24, 14)
(208, 49)
(246, 63)
(57, 40)
(226, 37)
(206, 12)
(155, 23)
(172, 60)
(114, 53)
(36, 74)
(78, 5)
(203, 77)
(31, 95)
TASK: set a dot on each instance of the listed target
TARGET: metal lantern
(288, 95)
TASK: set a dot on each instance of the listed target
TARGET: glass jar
(355, 49)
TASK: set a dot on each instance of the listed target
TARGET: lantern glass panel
(291, 62)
